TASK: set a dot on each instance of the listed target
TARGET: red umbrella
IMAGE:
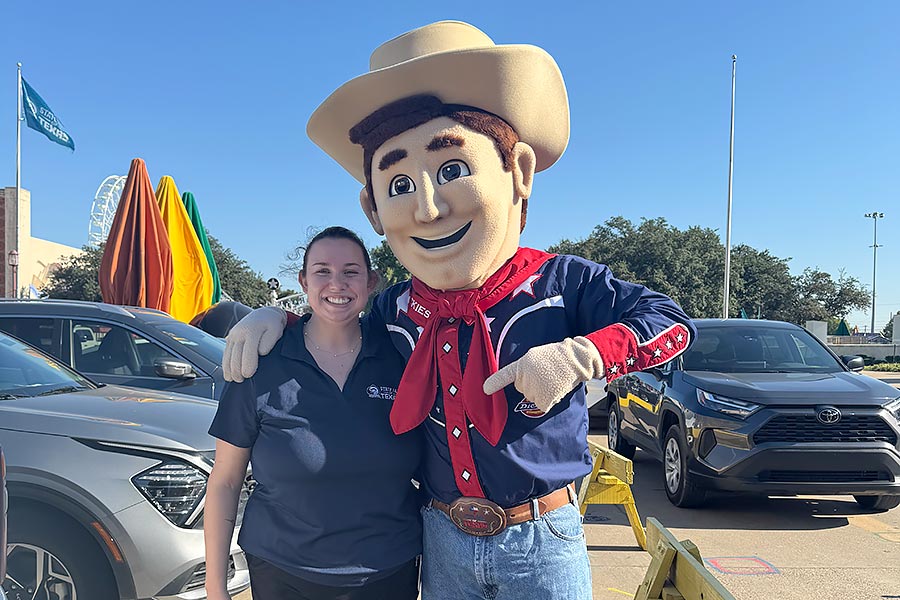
(136, 269)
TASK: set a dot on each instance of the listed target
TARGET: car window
(37, 331)
(26, 372)
(209, 347)
(108, 349)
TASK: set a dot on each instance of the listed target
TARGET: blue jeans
(541, 560)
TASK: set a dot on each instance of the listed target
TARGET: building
(37, 258)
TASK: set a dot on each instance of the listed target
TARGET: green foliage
(689, 266)
(387, 265)
(888, 330)
(76, 278)
(238, 280)
(884, 367)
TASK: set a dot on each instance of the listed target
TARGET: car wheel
(878, 502)
(614, 438)
(680, 486)
(49, 558)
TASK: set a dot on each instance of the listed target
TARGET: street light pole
(874, 216)
(730, 173)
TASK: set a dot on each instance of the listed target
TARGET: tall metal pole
(874, 216)
(730, 174)
(18, 165)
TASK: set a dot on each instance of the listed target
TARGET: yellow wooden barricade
(676, 570)
(610, 483)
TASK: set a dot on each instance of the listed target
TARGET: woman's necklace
(329, 352)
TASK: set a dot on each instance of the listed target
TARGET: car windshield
(209, 347)
(758, 349)
(27, 372)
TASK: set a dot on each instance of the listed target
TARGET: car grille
(806, 428)
(198, 577)
(823, 476)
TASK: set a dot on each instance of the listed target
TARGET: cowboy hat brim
(519, 83)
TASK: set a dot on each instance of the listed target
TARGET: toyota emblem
(828, 415)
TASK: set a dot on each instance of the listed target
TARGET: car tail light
(174, 488)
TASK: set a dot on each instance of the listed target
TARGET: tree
(888, 330)
(76, 278)
(238, 280)
(689, 266)
(818, 296)
(387, 265)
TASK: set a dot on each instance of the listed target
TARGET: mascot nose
(430, 206)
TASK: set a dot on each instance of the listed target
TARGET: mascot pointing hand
(446, 132)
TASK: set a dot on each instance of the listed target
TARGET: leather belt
(481, 517)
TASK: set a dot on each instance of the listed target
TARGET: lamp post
(14, 263)
(727, 291)
(874, 216)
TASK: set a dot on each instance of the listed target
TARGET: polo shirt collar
(295, 348)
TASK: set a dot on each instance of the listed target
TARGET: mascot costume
(446, 132)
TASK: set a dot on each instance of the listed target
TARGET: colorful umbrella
(136, 269)
(192, 279)
(190, 205)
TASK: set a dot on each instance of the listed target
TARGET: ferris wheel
(106, 200)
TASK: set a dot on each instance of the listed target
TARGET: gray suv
(106, 486)
(138, 347)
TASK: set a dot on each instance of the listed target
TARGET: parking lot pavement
(775, 548)
(885, 376)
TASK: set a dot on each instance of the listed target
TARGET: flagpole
(730, 173)
(18, 167)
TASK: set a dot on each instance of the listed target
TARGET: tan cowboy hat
(459, 64)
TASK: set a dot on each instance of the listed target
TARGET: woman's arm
(222, 494)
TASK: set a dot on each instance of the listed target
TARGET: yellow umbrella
(192, 279)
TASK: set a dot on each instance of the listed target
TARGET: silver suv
(106, 485)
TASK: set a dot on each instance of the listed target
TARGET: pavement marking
(886, 532)
(742, 565)
(629, 594)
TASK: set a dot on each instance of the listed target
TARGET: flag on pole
(39, 117)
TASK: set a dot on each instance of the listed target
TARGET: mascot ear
(523, 166)
(368, 206)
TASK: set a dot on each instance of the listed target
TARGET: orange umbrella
(136, 269)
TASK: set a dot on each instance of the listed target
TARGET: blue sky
(217, 94)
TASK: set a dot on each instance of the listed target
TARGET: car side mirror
(174, 369)
(854, 363)
(657, 372)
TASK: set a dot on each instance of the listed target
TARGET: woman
(334, 514)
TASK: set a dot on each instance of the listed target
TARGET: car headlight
(729, 406)
(174, 488)
(893, 407)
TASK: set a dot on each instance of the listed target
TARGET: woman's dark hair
(338, 233)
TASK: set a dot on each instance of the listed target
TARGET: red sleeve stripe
(622, 352)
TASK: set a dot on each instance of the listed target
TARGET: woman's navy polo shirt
(334, 503)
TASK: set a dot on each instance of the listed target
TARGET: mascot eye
(452, 169)
(401, 184)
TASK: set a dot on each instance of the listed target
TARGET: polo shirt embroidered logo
(529, 409)
(381, 391)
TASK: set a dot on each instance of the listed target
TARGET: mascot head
(446, 131)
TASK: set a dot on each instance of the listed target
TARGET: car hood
(116, 414)
(843, 388)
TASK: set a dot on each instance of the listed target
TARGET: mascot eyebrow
(392, 158)
(445, 141)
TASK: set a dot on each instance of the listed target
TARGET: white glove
(547, 373)
(252, 336)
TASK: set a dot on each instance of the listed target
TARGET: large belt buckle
(477, 516)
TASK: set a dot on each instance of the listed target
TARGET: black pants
(268, 582)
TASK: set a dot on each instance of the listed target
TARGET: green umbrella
(190, 205)
(842, 328)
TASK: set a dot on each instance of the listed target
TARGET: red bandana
(434, 311)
